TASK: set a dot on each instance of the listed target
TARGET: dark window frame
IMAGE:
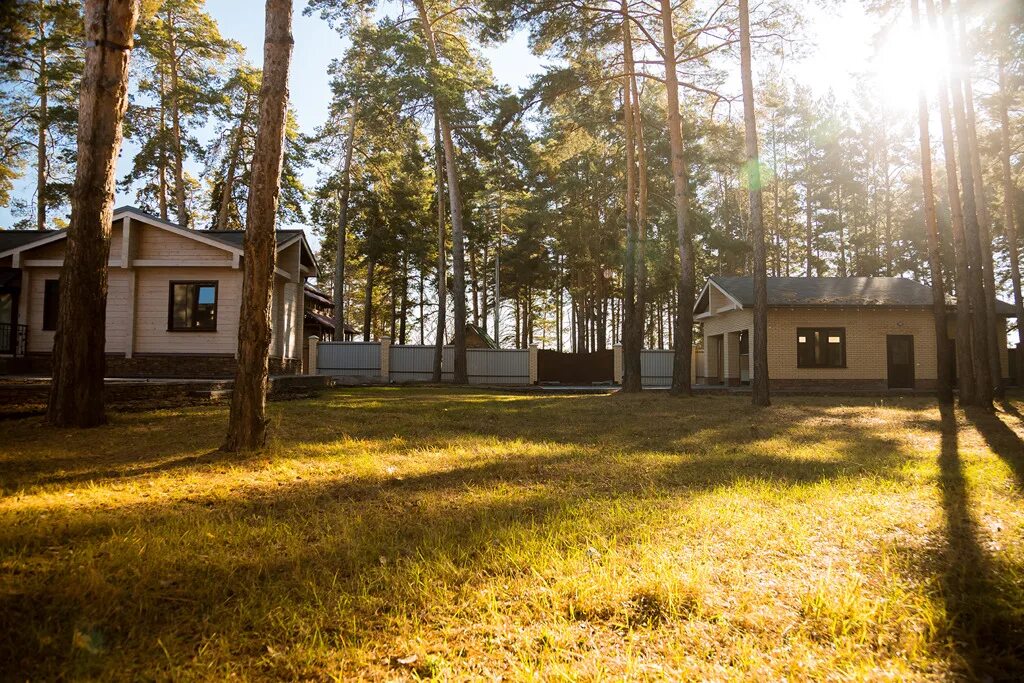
(824, 333)
(198, 284)
(51, 304)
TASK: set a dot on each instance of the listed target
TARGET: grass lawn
(399, 533)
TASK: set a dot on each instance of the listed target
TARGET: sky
(843, 46)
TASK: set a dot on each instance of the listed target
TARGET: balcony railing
(12, 339)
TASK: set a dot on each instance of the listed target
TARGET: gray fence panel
(656, 368)
(412, 363)
(498, 366)
(355, 359)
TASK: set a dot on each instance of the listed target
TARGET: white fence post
(534, 348)
(311, 364)
(385, 359)
(617, 363)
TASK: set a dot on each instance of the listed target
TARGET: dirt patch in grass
(402, 533)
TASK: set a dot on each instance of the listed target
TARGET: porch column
(750, 354)
(314, 342)
(731, 358)
(710, 359)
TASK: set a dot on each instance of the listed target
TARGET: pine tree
(76, 391)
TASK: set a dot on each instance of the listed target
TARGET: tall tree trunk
(76, 392)
(339, 251)
(964, 355)
(497, 277)
(474, 285)
(945, 388)
(179, 148)
(43, 124)
(759, 380)
(1010, 227)
(632, 329)
(887, 185)
(842, 232)
(422, 325)
(247, 427)
(371, 268)
(442, 276)
(809, 212)
(403, 311)
(228, 186)
(980, 329)
(162, 173)
(984, 219)
(460, 375)
(682, 357)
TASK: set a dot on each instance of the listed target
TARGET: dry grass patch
(399, 533)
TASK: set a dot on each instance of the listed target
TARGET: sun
(907, 60)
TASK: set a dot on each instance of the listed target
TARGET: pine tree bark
(632, 329)
(945, 384)
(247, 427)
(442, 270)
(984, 219)
(163, 145)
(759, 343)
(964, 356)
(179, 152)
(342, 237)
(371, 267)
(460, 373)
(1010, 227)
(76, 392)
(808, 211)
(682, 358)
(42, 125)
(980, 329)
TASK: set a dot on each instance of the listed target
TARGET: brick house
(827, 332)
(172, 304)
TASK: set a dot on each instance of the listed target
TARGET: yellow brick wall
(866, 331)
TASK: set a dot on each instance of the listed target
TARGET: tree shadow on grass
(357, 537)
(985, 615)
(430, 419)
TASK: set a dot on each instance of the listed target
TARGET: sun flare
(907, 60)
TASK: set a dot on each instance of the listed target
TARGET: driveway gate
(576, 368)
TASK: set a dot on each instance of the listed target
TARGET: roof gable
(231, 241)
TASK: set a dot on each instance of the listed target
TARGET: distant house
(855, 332)
(172, 304)
(477, 338)
(319, 320)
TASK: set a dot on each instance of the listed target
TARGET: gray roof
(837, 291)
(12, 239)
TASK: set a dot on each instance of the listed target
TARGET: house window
(821, 347)
(193, 307)
(51, 303)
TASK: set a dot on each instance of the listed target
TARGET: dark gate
(575, 368)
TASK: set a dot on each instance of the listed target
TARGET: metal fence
(416, 363)
(497, 366)
(656, 368)
(355, 359)
(413, 363)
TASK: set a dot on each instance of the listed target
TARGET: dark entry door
(900, 361)
(575, 368)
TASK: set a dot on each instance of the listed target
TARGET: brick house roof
(835, 291)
